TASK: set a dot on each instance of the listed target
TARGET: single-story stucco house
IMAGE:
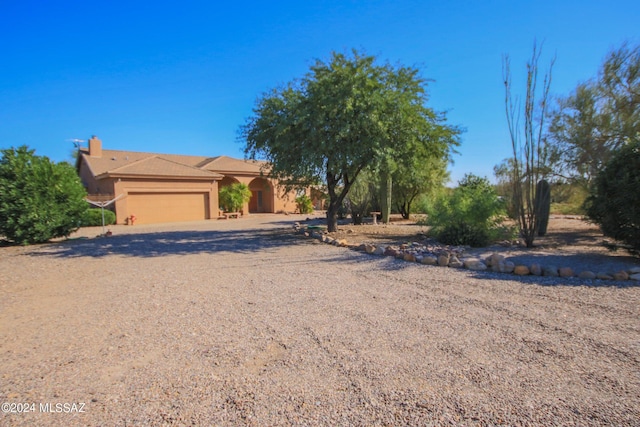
(158, 188)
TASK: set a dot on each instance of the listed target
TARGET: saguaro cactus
(542, 206)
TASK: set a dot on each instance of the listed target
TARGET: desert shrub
(304, 204)
(93, 218)
(234, 196)
(39, 199)
(568, 199)
(470, 215)
(614, 200)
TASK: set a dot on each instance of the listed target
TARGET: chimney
(95, 147)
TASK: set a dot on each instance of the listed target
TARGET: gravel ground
(241, 322)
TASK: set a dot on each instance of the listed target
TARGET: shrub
(93, 218)
(614, 202)
(304, 204)
(39, 199)
(234, 196)
(470, 215)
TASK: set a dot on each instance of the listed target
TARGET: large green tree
(344, 115)
(39, 199)
(420, 174)
(597, 118)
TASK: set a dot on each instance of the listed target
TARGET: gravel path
(243, 323)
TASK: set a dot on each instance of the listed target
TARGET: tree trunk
(332, 217)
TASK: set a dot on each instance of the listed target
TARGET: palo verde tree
(528, 145)
(597, 118)
(39, 199)
(344, 115)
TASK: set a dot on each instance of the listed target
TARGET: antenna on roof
(76, 142)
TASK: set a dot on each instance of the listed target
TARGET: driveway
(241, 322)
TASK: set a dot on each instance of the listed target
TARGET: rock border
(453, 258)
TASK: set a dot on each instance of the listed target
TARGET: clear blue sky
(181, 77)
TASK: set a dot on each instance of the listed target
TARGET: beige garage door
(151, 208)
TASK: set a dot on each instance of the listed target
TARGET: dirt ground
(243, 322)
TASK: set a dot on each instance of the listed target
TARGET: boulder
(379, 251)
(604, 276)
(369, 249)
(565, 272)
(621, 275)
(587, 275)
(509, 266)
(550, 270)
(361, 247)
(391, 252)
(454, 262)
(429, 260)
(634, 270)
(474, 264)
(443, 260)
(409, 257)
(521, 270)
(495, 259)
(536, 269)
(635, 276)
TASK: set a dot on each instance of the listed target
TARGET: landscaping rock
(454, 262)
(536, 269)
(429, 260)
(634, 270)
(390, 252)
(621, 275)
(604, 276)
(587, 275)
(550, 270)
(635, 276)
(409, 257)
(369, 249)
(474, 264)
(379, 251)
(521, 270)
(443, 260)
(565, 272)
(495, 259)
(509, 266)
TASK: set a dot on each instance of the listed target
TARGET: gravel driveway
(241, 322)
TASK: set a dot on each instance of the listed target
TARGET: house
(156, 188)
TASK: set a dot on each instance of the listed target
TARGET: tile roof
(158, 166)
(175, 165)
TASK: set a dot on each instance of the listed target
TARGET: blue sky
(181, 77)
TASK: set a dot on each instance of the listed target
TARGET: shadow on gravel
(553, 281)
(172, 243)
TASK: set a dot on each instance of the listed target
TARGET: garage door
(151, 208)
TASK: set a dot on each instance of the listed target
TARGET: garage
(149, 208)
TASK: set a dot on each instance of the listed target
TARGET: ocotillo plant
(542, 206)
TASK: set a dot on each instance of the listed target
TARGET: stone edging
(494, 262)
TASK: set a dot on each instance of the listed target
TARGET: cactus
(542, 206)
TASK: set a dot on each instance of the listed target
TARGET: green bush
(462, 233)
(234, 196)
(93, 218)
(614, 202)
(470, 215)
(304, 204)
(39, 199)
